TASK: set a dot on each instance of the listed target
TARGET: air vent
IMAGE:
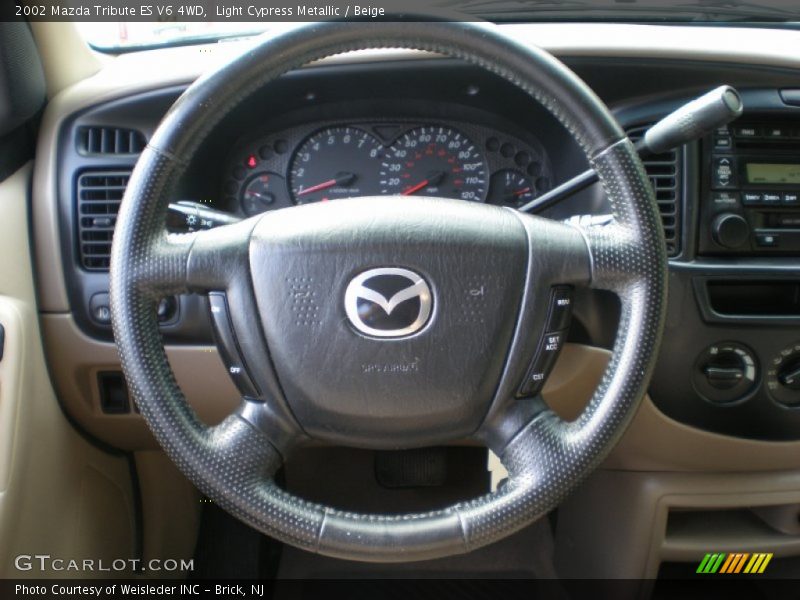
(666, 176)
(99, 194)
(110, 140)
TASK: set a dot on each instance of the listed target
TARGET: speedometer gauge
(435, 161)
(338, 162)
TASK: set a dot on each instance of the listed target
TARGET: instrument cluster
(333, 160)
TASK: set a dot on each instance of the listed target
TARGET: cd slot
(782, 220)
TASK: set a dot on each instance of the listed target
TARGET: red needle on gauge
(433, 178)
(520, 192)
(340, 179)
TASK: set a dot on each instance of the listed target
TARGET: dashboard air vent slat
(666, 176)
(98, 195)
(110, 140)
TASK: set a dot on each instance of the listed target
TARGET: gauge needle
(341, 178)
(434, 178)
(516, 194)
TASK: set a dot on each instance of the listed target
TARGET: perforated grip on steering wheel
(233, 462)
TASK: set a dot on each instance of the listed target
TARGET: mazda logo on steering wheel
(388, 302)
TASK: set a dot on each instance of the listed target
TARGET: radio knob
(730, 230)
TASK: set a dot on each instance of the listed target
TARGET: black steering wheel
(358, 322)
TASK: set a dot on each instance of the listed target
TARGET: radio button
(791, 198)
(746, 132)
(767, 240)
(787, 221)
(726, 199)
(749, 198)
(770, 198)
(723, 142)
(776, 132)
(723, 173)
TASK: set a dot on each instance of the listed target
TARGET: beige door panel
(59, 495)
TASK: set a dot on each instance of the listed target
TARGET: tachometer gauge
(338, 162)
(509, 187)
(435, 161)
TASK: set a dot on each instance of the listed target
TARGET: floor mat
(229, 549)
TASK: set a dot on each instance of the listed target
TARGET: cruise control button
(228, 348)
(553, 342)
(543, 363)
(560, 308)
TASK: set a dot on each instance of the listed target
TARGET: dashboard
(729, 361)
(324, 161)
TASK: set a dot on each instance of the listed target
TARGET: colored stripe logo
(733, 563)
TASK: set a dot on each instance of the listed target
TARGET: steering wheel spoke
(194, 262)
(613, 249)
(217, 259)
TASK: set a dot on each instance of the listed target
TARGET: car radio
(751, 190)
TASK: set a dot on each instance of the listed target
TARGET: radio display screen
(773, 173)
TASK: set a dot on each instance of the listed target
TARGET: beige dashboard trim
(653, 441)
(75, 359)
(66, 58)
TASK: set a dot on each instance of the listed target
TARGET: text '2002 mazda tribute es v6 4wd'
(499, 293)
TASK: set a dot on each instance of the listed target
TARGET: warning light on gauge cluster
(251, 161)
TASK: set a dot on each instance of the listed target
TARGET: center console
(730, 360)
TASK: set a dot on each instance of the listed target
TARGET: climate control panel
(783, 376)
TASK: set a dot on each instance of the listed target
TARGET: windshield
(132, 34)
(212, 21)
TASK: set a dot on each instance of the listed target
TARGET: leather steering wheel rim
(233, 462)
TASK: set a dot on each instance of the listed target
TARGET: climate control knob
(783, 376)
(725, 372)
(730, 230)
